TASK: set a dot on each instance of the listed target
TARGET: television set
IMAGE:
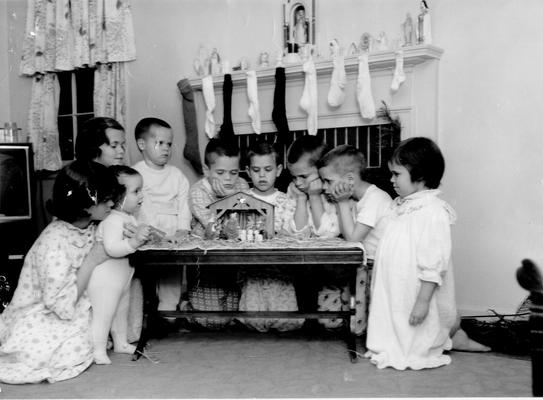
(16, 169)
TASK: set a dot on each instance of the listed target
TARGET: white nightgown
(45, 330)
(415, 246)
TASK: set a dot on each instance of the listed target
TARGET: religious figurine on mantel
(424, 30)
(298, 27)
(408, 31)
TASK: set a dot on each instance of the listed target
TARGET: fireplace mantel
(415, 103)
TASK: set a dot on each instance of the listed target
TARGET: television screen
(15, 192)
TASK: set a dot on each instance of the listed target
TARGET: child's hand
(297, 192)
(419, 312)
(129, 230)
(315, 187)
(342, 191)
(219, 188)
(142, 234)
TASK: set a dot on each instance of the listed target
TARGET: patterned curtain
(62, 35)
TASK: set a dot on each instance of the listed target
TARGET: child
(314, 215)
(269, 289)
(44, 331)
(110, 282)
(221, 179)
(412, 310)
(165, 204)
(342, 171)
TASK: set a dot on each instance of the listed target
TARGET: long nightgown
(45, 330)
(415, 246)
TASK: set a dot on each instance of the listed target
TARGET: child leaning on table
(215, 288)
(165, 198)
(269, 288)
(109, 285)
(342, 172)
(412, 311)
(315, 215)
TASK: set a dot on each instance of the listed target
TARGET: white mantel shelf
(382, 60)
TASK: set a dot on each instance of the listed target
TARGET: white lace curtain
(62, 35)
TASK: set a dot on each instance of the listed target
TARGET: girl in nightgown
(412, 309)
(45, 331)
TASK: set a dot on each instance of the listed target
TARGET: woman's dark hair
(92, 136)
(307, 145)
(80, 185)
(422, 158)
(118, 171)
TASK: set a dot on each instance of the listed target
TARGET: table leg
(350, 336)
(150, 311)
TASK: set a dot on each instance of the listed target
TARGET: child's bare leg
(462, 342)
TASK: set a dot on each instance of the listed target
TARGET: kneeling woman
(45, 330)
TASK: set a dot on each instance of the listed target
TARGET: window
(75, 107)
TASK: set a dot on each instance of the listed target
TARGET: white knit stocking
(106, 285)
(336, 94)
(119, 325)
(308, 101)
(363, 88)
(399, 75)
(254, 108)
(209, 98)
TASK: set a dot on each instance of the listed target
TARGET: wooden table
(281, 252)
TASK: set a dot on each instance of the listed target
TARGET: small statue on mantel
(365, 45)
(407, 28)
(215, 62)
(424, 30)
(264, 60)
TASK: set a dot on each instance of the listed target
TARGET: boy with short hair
(216, 287)
(342, 172)
(269, 288)
(165, 203)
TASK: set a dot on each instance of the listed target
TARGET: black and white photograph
(271, 199)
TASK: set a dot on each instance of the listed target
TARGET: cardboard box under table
(296, 255)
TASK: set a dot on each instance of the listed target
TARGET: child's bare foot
(124, 348)
(101, 358)
(462, 342)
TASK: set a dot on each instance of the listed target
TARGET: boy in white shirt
(342, 172)
(165, 198)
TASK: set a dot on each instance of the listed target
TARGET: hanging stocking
(227, 129)
(308, 102)
(279, 113)
(209, 98)
(399, 75)
(336, 94)
(363, 88)
(191, 151)
(252, 94)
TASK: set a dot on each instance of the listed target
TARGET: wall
(5, 113)
(489, 101)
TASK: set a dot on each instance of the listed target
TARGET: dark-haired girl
(413, 311)
(45, 330)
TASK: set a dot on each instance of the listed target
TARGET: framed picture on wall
(298, 24)
(15, 182)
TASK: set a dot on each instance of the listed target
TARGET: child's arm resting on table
(351, 230)
(115, 242)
